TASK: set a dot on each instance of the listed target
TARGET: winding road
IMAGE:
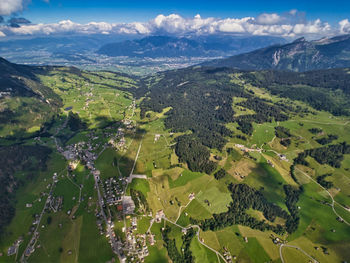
(333, 201)
(297, 248)
(332, 205)
(199, 239)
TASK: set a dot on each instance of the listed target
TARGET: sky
(251, 17)
(84, 11)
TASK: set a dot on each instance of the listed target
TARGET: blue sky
(135, 10)
(309, 18)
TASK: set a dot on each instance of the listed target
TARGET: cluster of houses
(118, 142)
(31, 247)
(113, 190)
(277, 240)
(14, 248)
(129, 125)
(81, 150)
(135, 244)
(52, 203)
(112, 194)
(228, 256)
(4, 94)
(283, 157)
(56, 203)
(100, 223)
(159, 216)
(246, 149)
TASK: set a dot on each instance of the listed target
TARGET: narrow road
(333, 201)
(332, 205)
(137, 156)
(297, 248)
(130, 175)
(136, 176)
(110, 231)
(199, 239)
(61, 127)
(183, 206)
(34, 238)
(150, 226)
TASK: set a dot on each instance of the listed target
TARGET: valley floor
(115, 190)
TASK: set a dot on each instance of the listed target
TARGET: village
(112, 204)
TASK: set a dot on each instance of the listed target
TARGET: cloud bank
(290, 24)
(8, 7)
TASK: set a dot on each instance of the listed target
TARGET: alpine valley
(239, 159)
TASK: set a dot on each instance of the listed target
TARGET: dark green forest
(322, 89)
(245, 197)
(26, 159)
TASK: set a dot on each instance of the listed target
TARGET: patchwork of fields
(168, 194)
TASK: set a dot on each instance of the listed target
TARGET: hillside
(187, 165)
(25, 102)
(165, 46)
(299, 56)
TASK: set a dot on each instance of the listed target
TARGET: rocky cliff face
(300, 55)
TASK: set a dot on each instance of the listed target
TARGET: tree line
(29, 159)
(245, 197)
(322, 89)
(332, 155)
(185, 256)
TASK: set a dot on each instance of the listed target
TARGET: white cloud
(172, 23)
(316, 27)
(7, 7)
(293, 12)
(2, 34)
(230, 27)
(291, 24)
(268, 19)
(344, 26)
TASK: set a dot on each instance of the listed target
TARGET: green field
(104, 103)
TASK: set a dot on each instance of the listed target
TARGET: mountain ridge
(299, 55)
(168, 46)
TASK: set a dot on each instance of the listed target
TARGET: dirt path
(183, 206)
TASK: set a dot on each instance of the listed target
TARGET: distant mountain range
(133, 54)
(300, 55)
(245, 53)
(60, 44)
(208, 46)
